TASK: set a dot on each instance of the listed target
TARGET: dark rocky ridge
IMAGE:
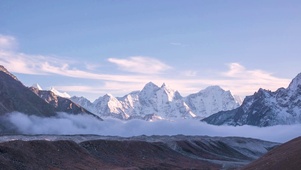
(142, 152)
(14, 96)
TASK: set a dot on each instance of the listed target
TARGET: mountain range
(154, 102)
(265, 108)
(213, 104)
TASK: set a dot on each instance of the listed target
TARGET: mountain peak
(108, 95)
(56, 92)
(3, 69)
(213, 88)
(163, 85)
(295, 83)
(37, 86)
(150, 86)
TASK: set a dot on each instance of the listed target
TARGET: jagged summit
(148, 90)
(3, 69)
(163, 85)
(150, 86)
(108, 95)
(295, 83)
(37, 86)
(58, 93)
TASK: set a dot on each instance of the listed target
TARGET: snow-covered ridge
(53, 90)
(61, 94)
(295, 83)
(154, 102)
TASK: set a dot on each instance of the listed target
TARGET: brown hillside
(286, 156)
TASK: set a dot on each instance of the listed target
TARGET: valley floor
(141, 152)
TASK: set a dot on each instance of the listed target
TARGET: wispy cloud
(178, 44)
(7, 42)
(92, 67)
(237, 78)
(189, 73)
(139, 64)
(43, 65)
(244, 81)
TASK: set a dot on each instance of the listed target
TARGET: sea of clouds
(66, 124)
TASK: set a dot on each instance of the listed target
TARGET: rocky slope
(141, 152)
(265, 108)
(61, 104)
(286, 156)
(154, 102)
(14, 96)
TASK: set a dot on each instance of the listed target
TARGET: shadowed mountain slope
(14, 96)
(285, 156)
(61, 104)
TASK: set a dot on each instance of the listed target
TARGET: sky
(90, 48)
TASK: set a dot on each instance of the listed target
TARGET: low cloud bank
(65, 124)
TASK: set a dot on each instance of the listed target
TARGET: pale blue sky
(89, 48)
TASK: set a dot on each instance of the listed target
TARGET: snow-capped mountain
(211, 100)
(265, 108)
(85, 103)
(109, 106)
(61, 94)
(53, 90)
(162, 101)
(154, 102)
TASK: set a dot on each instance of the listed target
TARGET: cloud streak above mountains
(79, 124)
(7, 42)
(132, 73)
(140, 64)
